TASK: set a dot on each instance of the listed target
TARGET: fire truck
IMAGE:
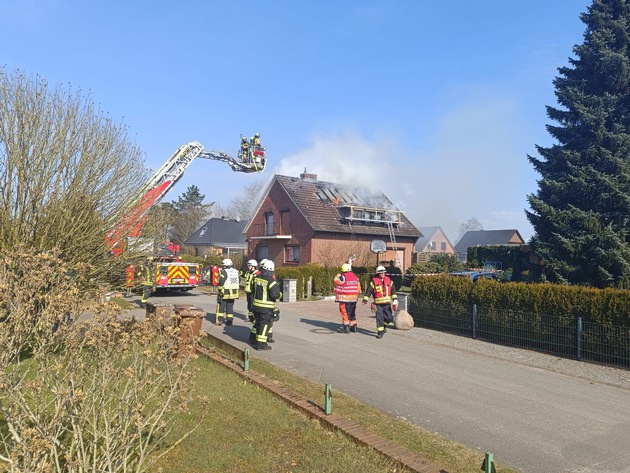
(170, 271)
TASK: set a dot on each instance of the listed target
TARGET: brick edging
(356, 432)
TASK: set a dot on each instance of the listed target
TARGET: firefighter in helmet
(347, 290)
(248, 276)
(266, 292)
(382, 289)
(244, 150)
(228, 292)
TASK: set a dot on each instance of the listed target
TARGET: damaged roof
(331, 207)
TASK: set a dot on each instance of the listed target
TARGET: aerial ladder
(392, 237)
(250, 158)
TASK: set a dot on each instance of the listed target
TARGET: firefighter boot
(219, 320)
(270, 338)
(353, 328)
(344, 329)
(380, 334)
(262, 346)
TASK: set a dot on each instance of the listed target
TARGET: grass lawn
(247, 429)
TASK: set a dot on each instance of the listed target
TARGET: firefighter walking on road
(347, 290)
(382, 289)
(266, 292)
(228, 293)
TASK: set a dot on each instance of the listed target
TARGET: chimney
(305, 176)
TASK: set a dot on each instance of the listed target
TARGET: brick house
(303, 220)
(433, 241)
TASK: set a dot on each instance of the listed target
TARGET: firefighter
(146, 276)
(266, 292)
(382, 289)
(347, 290)
(248, 276)
(250, 295)
(244, 149)
(257, 139)
(228, 292)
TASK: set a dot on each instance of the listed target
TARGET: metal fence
(578, 339)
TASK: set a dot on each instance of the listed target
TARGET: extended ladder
(392, 237)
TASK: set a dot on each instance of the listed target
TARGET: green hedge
(323, 277)
(604, 306)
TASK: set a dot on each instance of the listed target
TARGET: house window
(443, 246)
(292, 254)
(262, 252)
(269, 224)
(432, 246)
(203, 230)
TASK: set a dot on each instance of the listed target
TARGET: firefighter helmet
(227, 262)
(268, 265)
(380, 269)
(345, 268)
(252, 262)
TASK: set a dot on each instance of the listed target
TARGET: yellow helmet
(345, 268)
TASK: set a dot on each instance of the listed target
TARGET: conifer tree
(581, 210)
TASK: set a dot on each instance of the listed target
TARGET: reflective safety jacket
(249, 278)
(382, 290)
(228, 283)
(145, 273)
(266, 291)
(347, 287)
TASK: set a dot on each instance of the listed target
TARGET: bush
(79, 393)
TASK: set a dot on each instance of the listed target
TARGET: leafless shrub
(93, 394)
(67, 170)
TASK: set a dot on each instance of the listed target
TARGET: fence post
(328, 399)
(474, 321)
(246, 359)
(579, 334)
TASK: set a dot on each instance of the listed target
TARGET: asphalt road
(533, 419)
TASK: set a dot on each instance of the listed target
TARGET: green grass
(248, 429)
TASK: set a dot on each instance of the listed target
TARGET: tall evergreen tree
(581, 211)
(191, 198)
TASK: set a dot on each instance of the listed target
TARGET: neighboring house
(220, 237)
(486, 238)
(303, 220)
(433, 241)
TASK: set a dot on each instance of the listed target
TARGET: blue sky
(437, 104)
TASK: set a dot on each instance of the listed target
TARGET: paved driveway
(533, 416)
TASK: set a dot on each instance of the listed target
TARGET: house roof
(330, 207)
(222, 232)
(488, 237)
(427, 235)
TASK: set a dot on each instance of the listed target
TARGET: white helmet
(227, 262)
(252, 262)
(380, 269)
(268, 265)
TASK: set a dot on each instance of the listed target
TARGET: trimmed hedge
(604, 306)
(323, 277)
